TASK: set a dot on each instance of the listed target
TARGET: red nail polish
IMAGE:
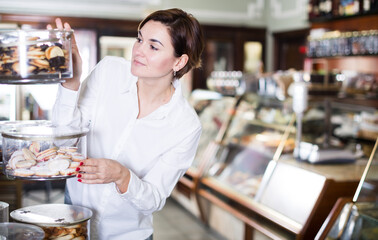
(79, 180)
(77, 169)
(81, 164)
(79, 175)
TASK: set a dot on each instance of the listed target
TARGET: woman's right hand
(74, 82)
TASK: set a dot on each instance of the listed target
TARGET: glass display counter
(250, 143)
(357, 217)
(252, 173)
(213, 110)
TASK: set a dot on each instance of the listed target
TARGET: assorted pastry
(269, 140)
(244, 182)
(33, 162)
(76, 232)
(41, 58)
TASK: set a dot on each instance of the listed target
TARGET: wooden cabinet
(225, 48)
(293, 205)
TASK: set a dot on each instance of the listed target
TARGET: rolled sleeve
(64, 108)
(67, 97)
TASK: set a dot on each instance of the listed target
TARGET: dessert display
(58, 221)
(369, 126)
(76, 232)
(245, 171)
(35, 56)
(43, 152)
(47, 163)
(268, 140)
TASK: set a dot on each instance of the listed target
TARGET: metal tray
(38, 178)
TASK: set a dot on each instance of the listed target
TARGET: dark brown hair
(186, 35)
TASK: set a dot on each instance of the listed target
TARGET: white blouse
(157, 149)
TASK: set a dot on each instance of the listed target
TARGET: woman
(143, 134)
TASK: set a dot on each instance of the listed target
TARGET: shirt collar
(129, 85)
(165, 109)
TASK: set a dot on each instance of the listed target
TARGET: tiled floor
(171, 223)
(176, 223)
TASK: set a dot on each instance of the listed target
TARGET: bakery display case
(261, 130)
(252, 175)
(250, 142)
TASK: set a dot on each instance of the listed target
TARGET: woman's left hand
(102, 170)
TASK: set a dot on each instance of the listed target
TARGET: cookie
(68, 149)
(28, 155)
(41, 63)
(39, 165)
(53, 51)
(14, 160)
(16, 153)
(74, 165)
(77, 157)
(35, 147)
(63, 156)
(25, 164)
(68, 172)
(23, 172)
(47, 154)
(45, 172)
(58, 164)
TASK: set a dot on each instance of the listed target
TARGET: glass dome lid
(52, 214)
(40, 133)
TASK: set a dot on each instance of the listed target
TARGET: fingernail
(79, 180)
(81, 164)
(77, 169)
(79, 175)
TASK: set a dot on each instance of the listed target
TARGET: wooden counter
(337, 172)
(295, 200)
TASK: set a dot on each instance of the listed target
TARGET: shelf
(352, 23)
(275, 126)
(363, 103)
(363, 64)
(327, 19)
